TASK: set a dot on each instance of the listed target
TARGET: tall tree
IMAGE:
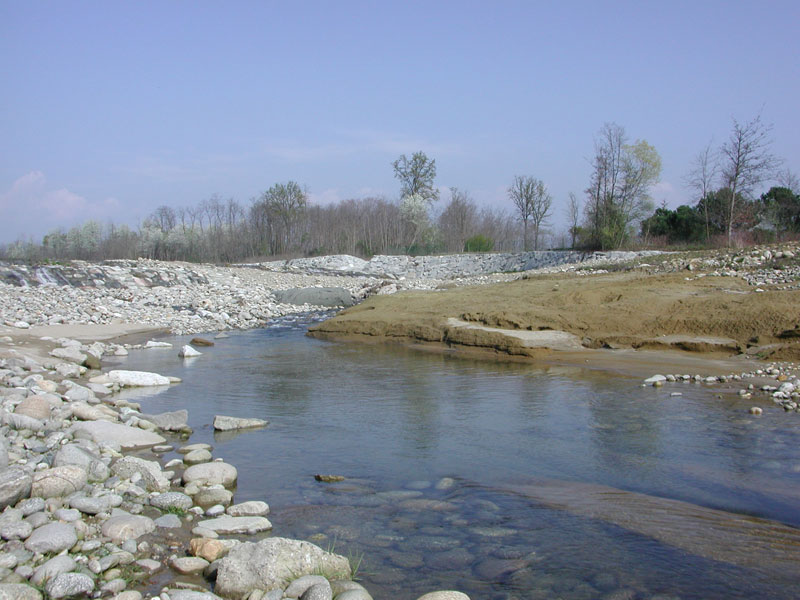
(573, 216)
(457, 221)
(533, 202)
(285, 205)
(619, 190)
(702, 178)
(746, 162)
(416, 176)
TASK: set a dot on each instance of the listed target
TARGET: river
(502, 480)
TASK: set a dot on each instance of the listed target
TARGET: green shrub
(479, 243)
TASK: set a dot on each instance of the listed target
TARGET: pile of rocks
(88, 510)
(778, 380)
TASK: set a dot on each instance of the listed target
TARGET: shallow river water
(502, 480)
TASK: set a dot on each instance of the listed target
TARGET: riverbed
(466, 474)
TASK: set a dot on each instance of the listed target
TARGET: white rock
(188, 352)
(136, 378)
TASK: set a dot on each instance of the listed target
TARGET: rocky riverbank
(89, 510)
(191, 298)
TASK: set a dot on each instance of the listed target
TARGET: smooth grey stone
(354, 594)
(251, 508)
(70, 515)
(38, 519)
(170, 421)
(31, 505)
(299, 586)
(52, 568)
(123, 527)
(19, 530)
(73, 454)
(92, 505)
(211, 473)
(196, 457)
(212, 496)
(19, 591)
(168, 521)
(69, 584)
(53, 537)
(15, 484)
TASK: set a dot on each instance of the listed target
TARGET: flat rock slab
(223, 423)
(231, 525)
(547, 339)
(128, 438)
(137, 378)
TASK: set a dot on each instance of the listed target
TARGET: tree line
(616, 211)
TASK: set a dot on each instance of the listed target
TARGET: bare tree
(533, 202)
(573, 216)
(789, 180)
(457, 221)
(746, 161)
(702, 178)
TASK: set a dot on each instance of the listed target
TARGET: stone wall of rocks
(442, 267)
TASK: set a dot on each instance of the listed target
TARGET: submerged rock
(224, 423)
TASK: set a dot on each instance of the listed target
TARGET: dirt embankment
(712, 315)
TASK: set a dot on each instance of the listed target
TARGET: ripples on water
(397, 421)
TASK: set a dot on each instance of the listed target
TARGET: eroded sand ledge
(551, 317)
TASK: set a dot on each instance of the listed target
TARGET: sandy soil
(563, 318)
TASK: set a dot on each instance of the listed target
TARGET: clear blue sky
(110, 109)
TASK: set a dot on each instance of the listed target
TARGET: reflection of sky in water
(390, 416)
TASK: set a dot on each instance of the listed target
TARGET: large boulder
(176, 420)
(316, 296)
(52, 537)
(150, 471)
(272, 564)
(58, 481)
(211, 473)
(73, 454)
(123, 526)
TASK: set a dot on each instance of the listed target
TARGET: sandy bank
(564, 317)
